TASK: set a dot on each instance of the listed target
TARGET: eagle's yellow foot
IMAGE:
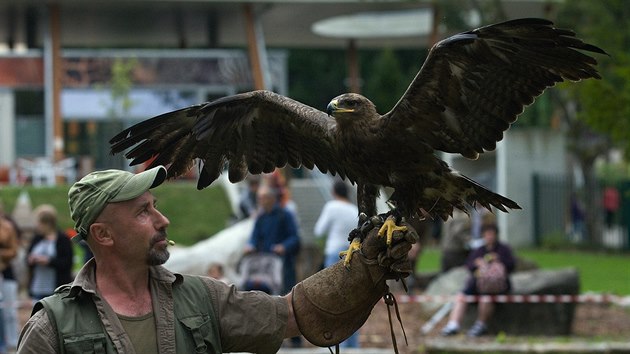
(347, 254)
(388, 228)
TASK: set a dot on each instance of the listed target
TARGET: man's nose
(161, 220)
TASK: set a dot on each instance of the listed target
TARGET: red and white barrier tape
(514, 298)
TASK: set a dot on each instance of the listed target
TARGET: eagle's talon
(388, 229)
(366, 227)
(376, 220)
(355, 245)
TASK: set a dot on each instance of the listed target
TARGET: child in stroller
(261, 271)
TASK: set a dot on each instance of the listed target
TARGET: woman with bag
(490, 266)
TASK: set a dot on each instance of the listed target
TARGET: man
(123, 301)
(276, 231)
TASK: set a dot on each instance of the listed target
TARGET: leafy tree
(119, 86)
(597, 112)
(604, 104)
(388, 78)
(324, 78)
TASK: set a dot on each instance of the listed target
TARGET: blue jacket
(278, 227)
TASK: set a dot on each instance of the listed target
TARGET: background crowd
(46, 256)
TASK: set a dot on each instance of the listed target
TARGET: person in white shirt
(338, 217)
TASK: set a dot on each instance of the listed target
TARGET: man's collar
(85, 281)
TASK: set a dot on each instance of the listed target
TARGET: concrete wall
(523, 153)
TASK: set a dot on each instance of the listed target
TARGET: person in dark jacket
(491, 251)
(276, 231)
(50, 255)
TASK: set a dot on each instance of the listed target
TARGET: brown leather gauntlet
(332, 304)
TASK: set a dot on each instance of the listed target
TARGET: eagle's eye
(352, 103)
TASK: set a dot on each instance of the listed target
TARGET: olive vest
(79, 328)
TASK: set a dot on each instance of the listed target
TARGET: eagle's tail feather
(460, 192)
(474, 193)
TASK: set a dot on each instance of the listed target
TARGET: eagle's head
(351, 106)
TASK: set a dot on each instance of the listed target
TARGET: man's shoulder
(196, 281)
(38, 334)
(39, 318)
(203, 287)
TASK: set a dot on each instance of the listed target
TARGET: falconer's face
(138, 229)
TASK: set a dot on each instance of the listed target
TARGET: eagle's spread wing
(473, 85)
(255, 131)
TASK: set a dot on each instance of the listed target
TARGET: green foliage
(385, 82)
(194, 214)
(316, 76)
(604, 103)
(538, 114)
(120, 86)
(387, 74)
(613, 173)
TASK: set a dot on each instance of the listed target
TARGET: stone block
(549, 319)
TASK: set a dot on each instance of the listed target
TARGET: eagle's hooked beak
(333, 107)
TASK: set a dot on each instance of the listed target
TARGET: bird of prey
(470, 89)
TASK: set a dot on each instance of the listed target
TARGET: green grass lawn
(194, 214)
(599, 272)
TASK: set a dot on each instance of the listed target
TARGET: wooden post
(435, 26)
(354, 78)
(253, 49)
(55, 33)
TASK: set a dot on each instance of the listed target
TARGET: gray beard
(158, 257)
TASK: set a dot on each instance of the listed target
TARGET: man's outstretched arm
(329, 306)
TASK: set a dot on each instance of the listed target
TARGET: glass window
(30, 127)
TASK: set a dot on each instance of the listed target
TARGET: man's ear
(100, 233)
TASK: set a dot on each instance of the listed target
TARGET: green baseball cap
(88, 197)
